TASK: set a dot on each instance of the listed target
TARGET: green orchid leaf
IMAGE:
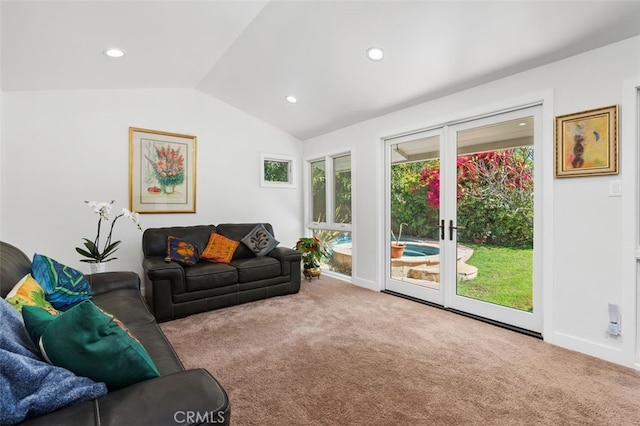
(90, 245)
(84, 252)
(110, 250)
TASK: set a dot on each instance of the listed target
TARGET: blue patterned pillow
(260, 241)
(63, 286)
(181, 251)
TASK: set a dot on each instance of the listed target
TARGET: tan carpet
(337, 354)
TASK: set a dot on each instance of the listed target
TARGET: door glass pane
(495, 214)
(342, 189)
(415, 212)
(319, 192)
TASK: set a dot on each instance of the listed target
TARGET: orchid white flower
(93, 252)
(135, 217)
(102, 208)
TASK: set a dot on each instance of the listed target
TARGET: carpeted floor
(337, 354)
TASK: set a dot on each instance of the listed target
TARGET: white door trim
(629, 140)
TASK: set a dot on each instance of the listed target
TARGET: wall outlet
(614, 328)
(615, 188)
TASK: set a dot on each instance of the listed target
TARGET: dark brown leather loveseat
(174, 291)
(178, 396)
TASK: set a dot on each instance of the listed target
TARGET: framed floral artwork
(587, 143)
(162, 172)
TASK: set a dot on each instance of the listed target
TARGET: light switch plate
(615, 188)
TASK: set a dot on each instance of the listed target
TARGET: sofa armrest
(286, 254)
(290, 264)
(157, 269)
(188, 397)
(168, 400)
(162, 281)
(110, 281)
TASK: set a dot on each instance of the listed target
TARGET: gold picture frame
(162, 172)
(587, 143)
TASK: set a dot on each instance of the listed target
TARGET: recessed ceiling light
(114, 52)
(522, 124)
(375, 53)
(291, 99)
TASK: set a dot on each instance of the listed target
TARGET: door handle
(451, 228)
(441, 227)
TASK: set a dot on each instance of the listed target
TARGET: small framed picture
(162, 172)
(587, 143)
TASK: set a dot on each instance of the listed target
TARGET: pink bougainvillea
(491, 168)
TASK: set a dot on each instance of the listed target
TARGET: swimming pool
(413, 248)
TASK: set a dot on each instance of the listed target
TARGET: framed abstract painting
(162, 172)
(587, 143)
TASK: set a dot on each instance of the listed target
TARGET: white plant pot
(98, 267)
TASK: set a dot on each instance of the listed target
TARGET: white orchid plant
(92, 250)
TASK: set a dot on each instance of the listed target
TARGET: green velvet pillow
(91, 343)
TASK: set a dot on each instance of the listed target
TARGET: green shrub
(495, 197)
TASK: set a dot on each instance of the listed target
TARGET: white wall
(583, 271)
(62, 147)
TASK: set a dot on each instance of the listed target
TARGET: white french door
(412, 274)
(470, 246)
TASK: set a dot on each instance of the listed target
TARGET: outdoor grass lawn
(505, 276)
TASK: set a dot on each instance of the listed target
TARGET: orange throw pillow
(219, 249)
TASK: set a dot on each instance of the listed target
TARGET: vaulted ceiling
(251, 54)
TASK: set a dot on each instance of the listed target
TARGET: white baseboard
(371, 285)
(613, 354)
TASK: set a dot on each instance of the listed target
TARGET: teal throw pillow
(260, 241)
(63, 286)
(90, 343)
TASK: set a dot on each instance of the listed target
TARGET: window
(319, 191)
(342, 189)
(277, 171)
(329, 210)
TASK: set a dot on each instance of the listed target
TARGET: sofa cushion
(260, 241)
(91, 343)
(157, 346)
(181, 251)
(257, 268)
(63, 285)
(237, 231)
(219, 249)
(205, 275)
(124, 304)
(29, 292)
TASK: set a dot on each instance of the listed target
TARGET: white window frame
(312, 225)
(291, 161)
(329, 223)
